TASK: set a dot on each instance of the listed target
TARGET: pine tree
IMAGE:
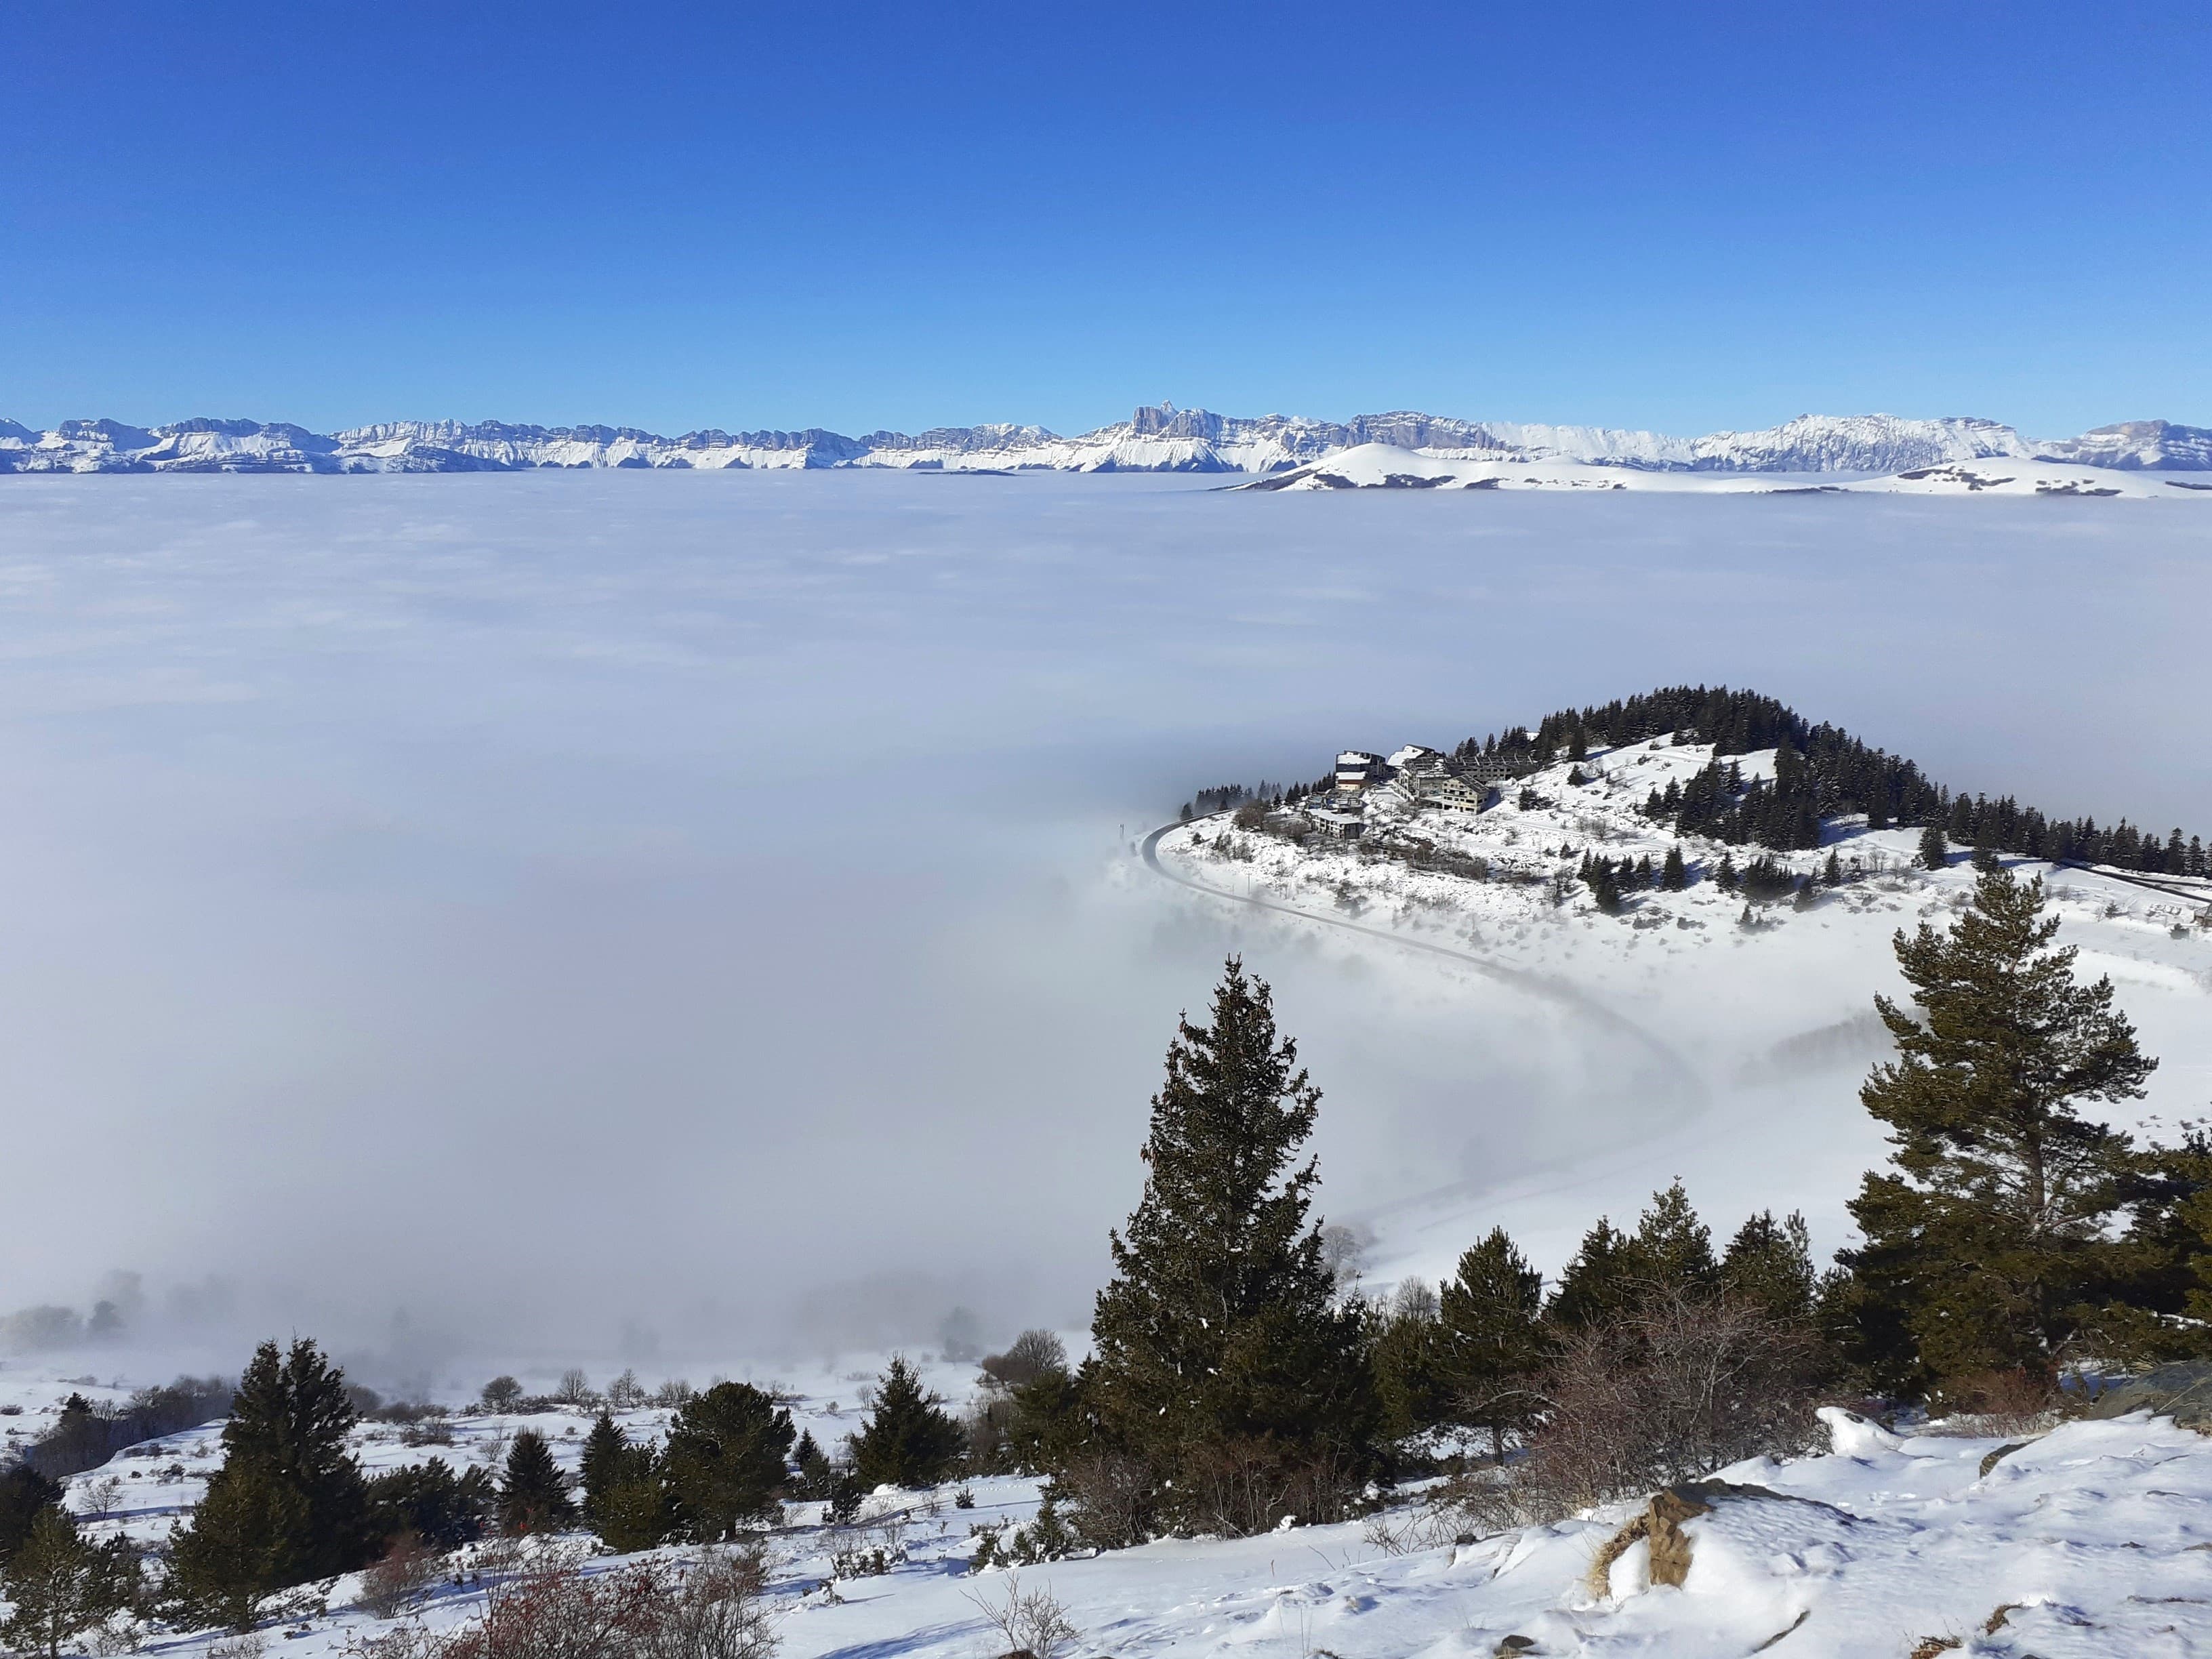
(60, 1586)
(908, 1440)
(1597, 1285)
(1672, 1250)
(23, 1492)
(1726, 875)
(1982, 1244)
(533, 1493)
(1408, 1355)
(625, 1500)
(1675, 875)
(288, 1503)
(1770, 1264)
(812, 1464)
(1494, 1339)
(1223, 1369)
(725, 1458)
(1832, 873)
(1935, 850)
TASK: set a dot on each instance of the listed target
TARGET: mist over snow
(592, 912)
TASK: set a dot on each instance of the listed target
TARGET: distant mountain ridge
(1159, 438)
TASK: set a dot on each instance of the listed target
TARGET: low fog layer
(617, 915)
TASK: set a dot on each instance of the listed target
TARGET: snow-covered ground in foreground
(1744, 1044)
(2089, 1541)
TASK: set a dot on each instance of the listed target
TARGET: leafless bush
(1032, 1623)
(427, 1432)
(673, 1392)
(717, 1612)
(408, 1568)
(1670, 1392)
(1996, 1403)
(626, 1393)
(251, 1645)
(1109, 1498)
(714, 1610)
(574, 1388)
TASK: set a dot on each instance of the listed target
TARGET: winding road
(1689, 1086)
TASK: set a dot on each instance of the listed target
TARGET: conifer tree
(725, 1458)
(59, 1585)
(1672, 1249)
(288, 1503)
(1408, 1355)
(1935, 849)
(1494, 1339)
(1726, 875)
(1832, 873)
(1770, 1264)
(1597, 1285)
(1984, 1241)
(908, 1440)
(23, 1492)
(1675, 875)
(533, 1492)
(812, 1464)
(625, 1501)
(1222, 1359)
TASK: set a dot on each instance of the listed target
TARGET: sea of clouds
(631, 913)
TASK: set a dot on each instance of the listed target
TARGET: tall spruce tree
(1986, 1241)
(1224, 1374)
(288, 1503)
(908, 1440)
(1494, 1337)
(1674, 876)
(1935, 849)
(533, 1492)
(725, 1458)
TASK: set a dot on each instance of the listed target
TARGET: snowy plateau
(1961, 456)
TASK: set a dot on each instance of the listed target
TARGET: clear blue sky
(857, 216)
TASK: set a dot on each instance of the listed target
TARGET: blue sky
(857, 216)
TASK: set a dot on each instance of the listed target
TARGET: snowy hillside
(2088, 1541)
(1382, 466)
(1742, 1037)
(1156, 439)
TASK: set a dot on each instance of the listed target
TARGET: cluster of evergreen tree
(1821, 771)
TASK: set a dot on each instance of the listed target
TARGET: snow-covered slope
(1382, 466)
(2088, 1541)
(1741, 1038)
(1155, 438)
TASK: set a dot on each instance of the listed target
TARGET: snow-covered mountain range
(1156, 439)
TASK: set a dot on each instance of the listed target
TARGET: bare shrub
(1109, 1498)
(427, 1432)
(626, 1393)
(408, 1568)
(1032, 1623)
(1246, 1486)
(250, 1645)
(1670, 1392)
(717, 1612)
(1999, 1403)
(574, 1388)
